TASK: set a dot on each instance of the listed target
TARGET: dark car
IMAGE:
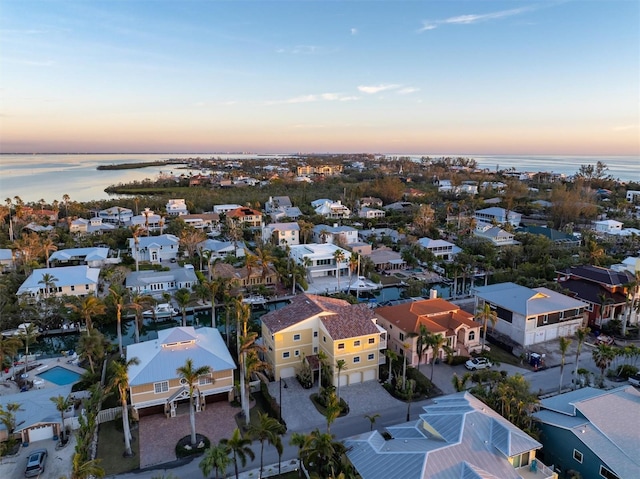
(35, 463)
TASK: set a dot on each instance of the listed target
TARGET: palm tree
(47, 246)
(212, 287)
(84, 469)
(602, 356)
(138, 302)
(62, 404)
(29, 334)
(423, 341)
(49, 283)
(9, 346)
(250, 363)
(120, 380)
(250, 262)
(338, 256)
(581, 336)
(298, 439)
(320, 449)
(332, 410)
(266, 429)
(459, 383)
(190, 374)
(136, 231)
(183, 296)
(240, 449)
(564, 346)
(92, 346)
(322, 360)
(393, 356)
(116, 296)
(264, 257)
(341, 365)
(436, 342)
(372, 419)
(486, 315)
(88, 307)
(215, 458)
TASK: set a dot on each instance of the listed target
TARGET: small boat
(364, 284)
(255, 300)
(163, 310)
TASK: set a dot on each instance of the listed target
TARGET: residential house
(381, 234)
(245, 278)
(38, 228)
(148, 220)
(385, 259)
(633, 196)
(325, 170)
(311, 324)
(282, 234)
(154, 385)
(207, 222)
(331, 209)
(531, 316)
(400, 206)
(558, 237)
(610, 227)
(94, 257)
(155, 283)
(221, 249)
(247, 217)
(457, 436)
(223, 209)
(155, 249)
(446, 186)
(370, 213)
(335, 234)
(361, 248)
(440, 317)
(371, 202)
(37, 419)
(593, 432)
(319, 259)
(6, 260)
(279, 207)
(90, 226)
(498, 216)
(495, 234)
(441, 249)
(176, 207)
(116, 215)
(603, 289)
(70, 281)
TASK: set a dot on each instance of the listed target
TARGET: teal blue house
(593, 432)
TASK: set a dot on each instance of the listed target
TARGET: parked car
(477, 363)
(635, 380)
(35, 463)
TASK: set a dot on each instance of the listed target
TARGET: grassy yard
(111, 447)
(498, 355)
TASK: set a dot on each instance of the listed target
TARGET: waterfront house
(95, 226)
(154, 385)
(531, 316)
(7, 262)
(335, 234)
(94, 257)
(593, 432)
(245, 278)
(177, 207)
(148, 220)
(155, 283)
(370, 213)
(221, 249)
(207, 222)
(116, 215)
(67, 281)
(498, 216)
(282, 234)
(311, 324)
(155, 249)
(558, 237)
(458, 436)
(223, 209)
(385, 259)
(441, 249)
(495, 234)
(319, 259)
(331, 209)
(610, 227)
(440, 317)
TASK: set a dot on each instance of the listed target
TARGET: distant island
(132, 166)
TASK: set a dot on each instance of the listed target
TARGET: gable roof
(458, 436)
(160, 358)
(591, 292)
(438, 315)
(35, 406)
(65, 276)
(599, 274)
(86, 254)
(242, 212)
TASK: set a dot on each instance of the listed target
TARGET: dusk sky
(467, 77)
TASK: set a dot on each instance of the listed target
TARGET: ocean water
(49, 177)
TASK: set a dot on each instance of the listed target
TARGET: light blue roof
(88, 254)
(160, 358)
(65, 276)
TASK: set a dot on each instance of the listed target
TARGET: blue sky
(472, 77)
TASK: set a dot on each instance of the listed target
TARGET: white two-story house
(155, 249)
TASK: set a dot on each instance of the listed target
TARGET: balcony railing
(541, 472)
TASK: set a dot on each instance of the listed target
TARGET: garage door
(287, 372)
(369, 375)
(343, 379)
(40, 433)
(355, 378)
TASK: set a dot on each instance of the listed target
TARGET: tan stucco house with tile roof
(311, 324)
(439, 317)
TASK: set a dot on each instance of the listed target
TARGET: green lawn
(500, 356)
(111, 447)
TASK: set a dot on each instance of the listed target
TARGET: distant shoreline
(132, 166)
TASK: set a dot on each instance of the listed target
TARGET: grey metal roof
(468, 452)
(35, 406)
(89, 254)
(159, 360)
(143, 278)
(564, 403)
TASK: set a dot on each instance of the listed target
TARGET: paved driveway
(58, 462)
(159, 435)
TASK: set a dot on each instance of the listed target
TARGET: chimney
(433, 294)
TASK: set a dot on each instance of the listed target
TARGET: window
(161, 387)
(472, 335)
(286, 354)
(296, 353)
(371, 357)
(372, 340)
(607, 474)
(296, 337)
(324, 339)
(73, 288)
(356, 343)
(315, 334)
(315, 349)
(577, 455)
(401, 336)
(340, 345)
(356, 359)
(203, 380)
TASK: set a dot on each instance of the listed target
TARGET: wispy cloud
(302, 50)
(474, 18)
(354, 31)
(625, 127)
(371, 89)
(408, 90)
(31, 63)
(313, 98)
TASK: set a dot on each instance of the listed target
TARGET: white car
(635, 380)
(477, 363)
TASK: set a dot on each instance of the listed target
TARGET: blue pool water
(60, 376)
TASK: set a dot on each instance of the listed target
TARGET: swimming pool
(60, 376)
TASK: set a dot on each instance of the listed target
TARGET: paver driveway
(159, 435)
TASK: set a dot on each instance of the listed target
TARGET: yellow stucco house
(311, 324)
(154, 385)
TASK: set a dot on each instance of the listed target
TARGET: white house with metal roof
(69, 280)
(94, 257)
(498, 215)
(495, 234)
(530, 316)
(155, 386)
(592, 431)
(155, 283)
(440, 248)
(457, 437)
(282, 234)
(334, 234)
(116, 215)
(155, 249)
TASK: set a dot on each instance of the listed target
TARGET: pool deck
(8, 386)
